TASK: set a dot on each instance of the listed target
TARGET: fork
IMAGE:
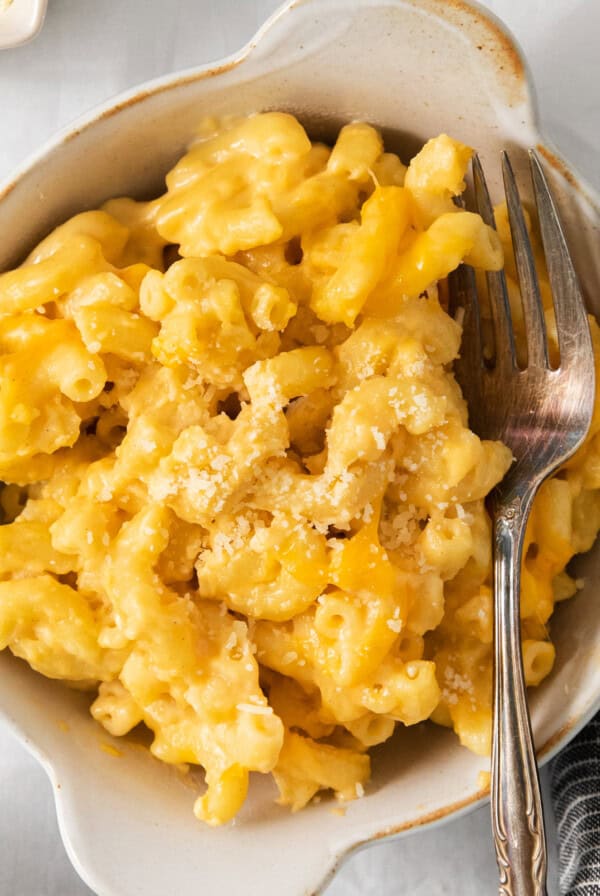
(543, 414)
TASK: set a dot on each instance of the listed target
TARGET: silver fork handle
(517, 814)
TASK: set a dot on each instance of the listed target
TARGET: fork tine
(464, 295)
(505, 353)
(535, 325)
(569, 308)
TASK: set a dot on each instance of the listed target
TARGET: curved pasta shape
(242, 500)
(272, 571)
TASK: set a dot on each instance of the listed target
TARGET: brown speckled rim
(459, 808)
(485, 31)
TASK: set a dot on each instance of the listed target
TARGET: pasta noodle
(242, 503)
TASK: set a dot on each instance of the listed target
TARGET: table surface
(90, 50)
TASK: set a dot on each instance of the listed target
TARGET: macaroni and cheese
(243, 504)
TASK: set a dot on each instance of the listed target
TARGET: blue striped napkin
(576, 798)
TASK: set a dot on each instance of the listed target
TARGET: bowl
(414, 68)
(20, 21)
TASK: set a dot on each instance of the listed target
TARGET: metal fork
(543, 415)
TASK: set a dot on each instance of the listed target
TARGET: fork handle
(517, 814)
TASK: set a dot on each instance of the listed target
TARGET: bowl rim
(428, 822)
(139, 92)
(154, 86)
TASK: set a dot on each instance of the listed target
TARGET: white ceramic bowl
(20, 21)
(415, 68)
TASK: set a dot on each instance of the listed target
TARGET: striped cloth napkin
(576, 798)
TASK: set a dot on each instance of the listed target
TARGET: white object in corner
(414, 68)
(20, 21)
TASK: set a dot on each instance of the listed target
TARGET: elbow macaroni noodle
(242, 502)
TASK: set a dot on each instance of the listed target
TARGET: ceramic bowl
(20, 21)
(414, 68)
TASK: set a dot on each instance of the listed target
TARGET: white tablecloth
(91, 49)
